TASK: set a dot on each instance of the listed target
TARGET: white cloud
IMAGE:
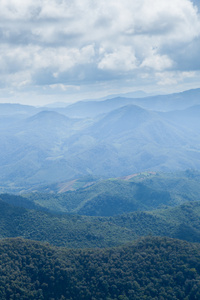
(157, 62)
(172, 78)
(86, 39)
(122, 59)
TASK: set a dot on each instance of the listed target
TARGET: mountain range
(109, 138)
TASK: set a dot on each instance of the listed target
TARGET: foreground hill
(151, 268)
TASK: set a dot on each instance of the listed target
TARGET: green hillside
(61, 230)
(179, 222)
(151, 268)
(76, 231)
(142, 191)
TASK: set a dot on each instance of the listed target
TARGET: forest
(151, 268)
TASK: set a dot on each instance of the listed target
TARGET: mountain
(8, 109)
(131, 139)
(32, 150)
(45, 147)
(163, 103)
(187, 118)
(147, 269)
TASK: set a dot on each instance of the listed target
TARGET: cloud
(170, 78)
(74, 42)
(156, 61)
(122, 59)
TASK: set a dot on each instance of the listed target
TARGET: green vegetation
(61, 230)
(179, 222)
(76, 231)
(139, 192)
(151, 268)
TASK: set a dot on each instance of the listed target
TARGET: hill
(61, 230)
(180, 222)
(84, 231)
(115, 196)
(148, 269)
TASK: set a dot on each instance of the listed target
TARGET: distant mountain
(118, 138)
(164, 103)
(32, 149)
(176, 101)
(187, 118)
(131, 139)
(7, 109)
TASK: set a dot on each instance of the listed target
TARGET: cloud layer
(84, 42)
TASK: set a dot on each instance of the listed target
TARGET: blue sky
(65, 50)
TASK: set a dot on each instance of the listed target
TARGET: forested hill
(148, 269)
(76, 231)
(115, 196)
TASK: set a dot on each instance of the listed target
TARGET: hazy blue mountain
(131, 139)
(163, 103)
(13, 109)
(188, 118)
(33, 148)
(47, 146)
(176, 101)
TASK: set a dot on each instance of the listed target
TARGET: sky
(68, 50)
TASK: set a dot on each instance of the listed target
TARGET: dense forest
(151, 268)
(75, 231)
